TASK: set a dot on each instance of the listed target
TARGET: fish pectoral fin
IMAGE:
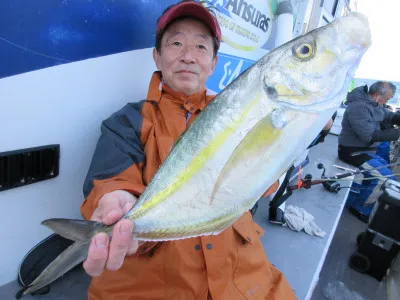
(254, 144)
(281, 117)
(75, 230)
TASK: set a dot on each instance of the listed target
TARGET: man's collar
(157, 88)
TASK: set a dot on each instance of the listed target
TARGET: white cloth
(298, 219)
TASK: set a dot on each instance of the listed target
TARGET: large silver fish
(240, 144)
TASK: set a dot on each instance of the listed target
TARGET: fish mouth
(295, 96)
(291, 94)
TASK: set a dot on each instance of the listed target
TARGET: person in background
(383, 148)
(360, 135)
(134, 142)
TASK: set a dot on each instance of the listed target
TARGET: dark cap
(196, 10)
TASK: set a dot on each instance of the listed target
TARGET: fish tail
(78, 230)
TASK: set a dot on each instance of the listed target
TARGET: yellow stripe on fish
(197, 162)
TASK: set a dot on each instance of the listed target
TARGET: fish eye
(303, 51)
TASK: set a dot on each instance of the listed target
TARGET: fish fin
(68, 259)
(75, 230)
(253, 144)
(81, 232)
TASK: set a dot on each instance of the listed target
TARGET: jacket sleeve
(395, 120)
(271, 189)
(385, 135)
(118, 158)
(388, 134)
(361, 121)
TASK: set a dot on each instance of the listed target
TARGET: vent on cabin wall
(27, 166)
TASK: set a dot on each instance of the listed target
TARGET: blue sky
(382, 60)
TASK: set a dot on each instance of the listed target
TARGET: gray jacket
(362, 118)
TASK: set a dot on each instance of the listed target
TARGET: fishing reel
(331, 185)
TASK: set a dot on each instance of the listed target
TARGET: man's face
(385, 98)
(187, 56)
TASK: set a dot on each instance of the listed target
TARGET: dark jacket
(361, 124)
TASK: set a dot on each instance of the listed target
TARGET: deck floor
(339, 282)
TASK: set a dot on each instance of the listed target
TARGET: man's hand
(328, 125)
(104, 254)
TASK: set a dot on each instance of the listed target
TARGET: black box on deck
(378, 251)
(380, 243)
(385, 217)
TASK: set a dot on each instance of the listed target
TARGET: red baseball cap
(194, 9)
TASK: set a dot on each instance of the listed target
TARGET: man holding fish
(231, 265)
(180, 170)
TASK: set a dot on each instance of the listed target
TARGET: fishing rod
(368, 178)
(330, 183)
(348, 174)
